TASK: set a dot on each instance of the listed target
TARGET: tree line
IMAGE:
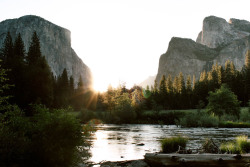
(178, 92)
(31, 81)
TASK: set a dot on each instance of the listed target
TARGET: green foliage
(245, 115)
(86, 115)
(229, 148)
(40, 87)
(123, 109)
(3, 86)
(223, 101)
(48, 138)
(199, 120)
(170, 145)
(241, 145)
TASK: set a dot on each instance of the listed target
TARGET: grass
(241, 145)
(170, 145)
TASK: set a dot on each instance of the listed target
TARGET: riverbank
(170, 160)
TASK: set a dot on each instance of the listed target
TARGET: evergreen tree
(18, 71)
(163, 92)
(71, 86)
(61, 96)
(181, 83)
(175, 84)
(189, 83)
(155, 91)
(3, 86)
(162, 88)
(169, 84)
(40, 79)
(194, 81)
(34, 53)
(7, 51)
(247, 75)
(79, 97)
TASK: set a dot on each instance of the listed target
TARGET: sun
(100, 87)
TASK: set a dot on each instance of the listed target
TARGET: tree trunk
(196, 160)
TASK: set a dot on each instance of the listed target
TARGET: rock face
(148, 82)
(55, 44)
(218, 41)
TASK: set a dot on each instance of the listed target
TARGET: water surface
(128, 142)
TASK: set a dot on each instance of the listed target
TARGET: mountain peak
(55, 44)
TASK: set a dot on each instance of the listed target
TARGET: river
(127, 142)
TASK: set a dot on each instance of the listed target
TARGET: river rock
(55, 44)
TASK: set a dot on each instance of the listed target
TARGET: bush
(86, 115)
(240, 146)
(48, 138)
(245, 115)
(170, 145)
(199, 120)
(229, 148)
(243, 144)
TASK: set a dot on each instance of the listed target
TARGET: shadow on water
(127, 142)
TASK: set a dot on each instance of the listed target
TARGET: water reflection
(127, 142)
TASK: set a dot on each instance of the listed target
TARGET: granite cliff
(55, 44)
(218, 41)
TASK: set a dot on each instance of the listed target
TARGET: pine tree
(189, 83)
(175, 84)
(7, 51)
(79, 97)
(34, 53)
(194, 80)
(39, 75)
(6, 55)
(163, 92)
(162, 88)
(169, 84)
(181, 83)
(247, 75)
(155, 91)
(18, 71)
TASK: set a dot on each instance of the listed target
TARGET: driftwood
(197, 160)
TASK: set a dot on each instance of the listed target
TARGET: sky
(121, 41)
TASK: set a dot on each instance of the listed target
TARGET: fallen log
(197, 160)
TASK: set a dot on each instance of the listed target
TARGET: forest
(31, 81)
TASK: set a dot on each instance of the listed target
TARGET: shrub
(48, 138)
(229, 148)
(240, 146)
(245, 115)
(243, 144)
(172, 144)
(86, 115)
(199, 120)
